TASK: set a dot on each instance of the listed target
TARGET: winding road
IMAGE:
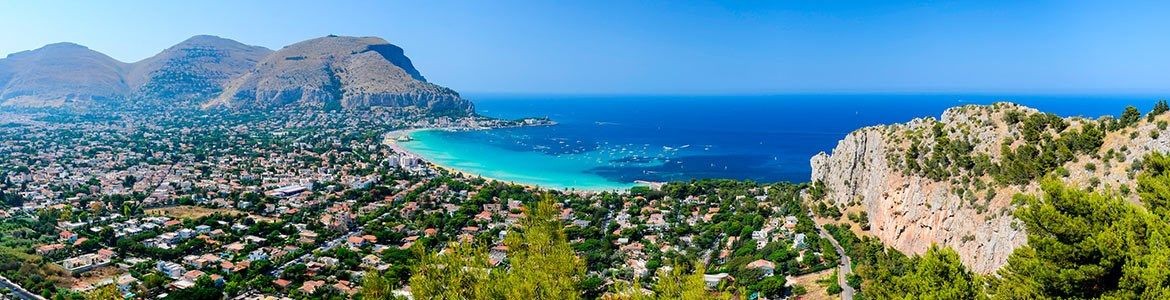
(844, 266)
(18, 291)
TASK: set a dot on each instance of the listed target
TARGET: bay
(609, 142)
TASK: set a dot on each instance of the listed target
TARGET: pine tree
(1159, 108)
(375, 286)
(461, 272)
(106, 292)
(542, 263)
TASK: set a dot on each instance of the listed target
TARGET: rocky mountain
(339, 72)
(60, 74)
(950, 181)
(194, 70)
(208, 71)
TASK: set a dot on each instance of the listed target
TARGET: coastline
(392, 140)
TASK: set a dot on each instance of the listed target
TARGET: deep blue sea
(608, 142)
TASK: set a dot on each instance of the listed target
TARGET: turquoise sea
(609, 142)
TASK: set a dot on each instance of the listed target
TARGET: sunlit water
(604, 143)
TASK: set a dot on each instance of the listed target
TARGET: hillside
(951, 181)
(193, 70)
(60, 74)
(339, 72)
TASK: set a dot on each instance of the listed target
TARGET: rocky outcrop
(941, 181)
(907, 209)
(339, 72)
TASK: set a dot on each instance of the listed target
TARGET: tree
(1159, 108)
(676, 284)
(1154, 183)
(773, 287)
(1128, 117)
(462, 272)
(105, 292)
(375, 286)
(1087, 245)
(543, 264)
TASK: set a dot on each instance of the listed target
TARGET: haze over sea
(609, 142)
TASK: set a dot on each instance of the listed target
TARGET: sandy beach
(393, 140)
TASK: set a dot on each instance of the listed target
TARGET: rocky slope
(60, 74)
(339, 72)
(194, 70)
(950, 181)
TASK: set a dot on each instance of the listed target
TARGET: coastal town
(197, 205)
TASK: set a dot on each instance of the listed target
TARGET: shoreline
(391, 139)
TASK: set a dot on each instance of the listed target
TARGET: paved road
(844, 266)
(18, 291)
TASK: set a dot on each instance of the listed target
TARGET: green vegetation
(1092, 245)
(1045, 143)
(541, 265)
(1081, 245)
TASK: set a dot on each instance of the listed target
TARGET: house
(310, 287)
(765, 267)
(234, 247)
(192, 275)
(287, 191)
(49, 249)
(226, 267)
(307, 237)
(355, 241)
(713, 280)
(656, 221)
(85, 262)
(126, 283)
(790, 222)
(67, 236)
(497, 254)
(282, 283)
(343, 286)
(798, 241)
(172, 270)
(258, 254)
(371, 261)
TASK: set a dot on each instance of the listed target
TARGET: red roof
(282, 282)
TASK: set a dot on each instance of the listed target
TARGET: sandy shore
(391, 139)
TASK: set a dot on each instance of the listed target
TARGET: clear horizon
(672, 48)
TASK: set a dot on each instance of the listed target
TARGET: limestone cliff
(950, 181)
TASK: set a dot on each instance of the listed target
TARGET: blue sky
(670, 47)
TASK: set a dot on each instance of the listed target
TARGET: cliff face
(893, 172)
(910, 212)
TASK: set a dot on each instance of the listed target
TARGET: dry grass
(816, 291)
(99, 277)
(189, 212)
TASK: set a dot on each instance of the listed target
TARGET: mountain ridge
(209, 71)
